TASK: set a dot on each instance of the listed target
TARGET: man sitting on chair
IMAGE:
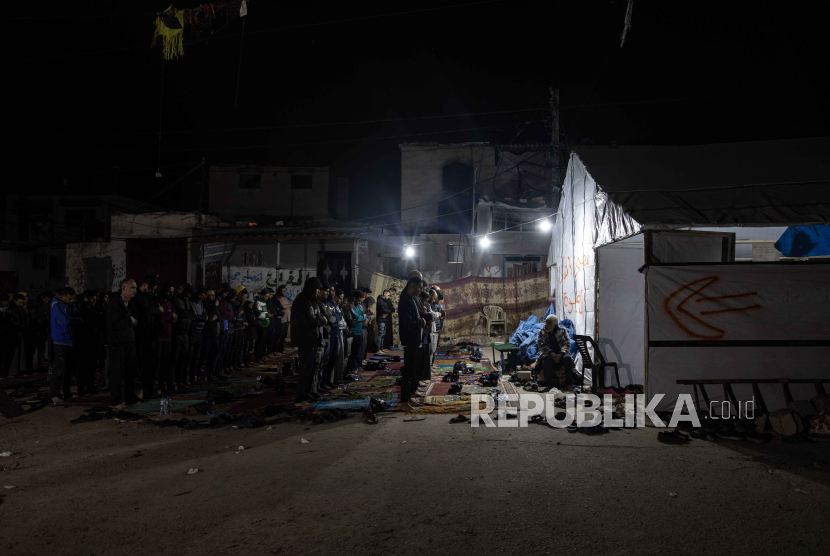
(554, 347)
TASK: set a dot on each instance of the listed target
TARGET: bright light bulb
(545, 225)
(409, 251)
(485, 242)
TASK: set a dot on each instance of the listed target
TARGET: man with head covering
(306, 323)
(554, 347)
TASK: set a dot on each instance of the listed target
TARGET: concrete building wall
(35, 280)
(275, 195)
(259, 264)
(158, 224)
(78, 264)
(432, 257)
(422, 168)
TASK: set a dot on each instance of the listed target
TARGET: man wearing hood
(120, 326)
(320, 382)
(197, 325)
(17, 321)
(164, 339)
(37, 340)
(180, 348)
(146, 333)
(412, 320)
(87, 336)
(306, 321)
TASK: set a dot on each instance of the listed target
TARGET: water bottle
(161, 406)
(259, 382)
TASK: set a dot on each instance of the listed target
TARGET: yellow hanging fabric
(171, 34)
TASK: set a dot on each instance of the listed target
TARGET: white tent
(616, 199)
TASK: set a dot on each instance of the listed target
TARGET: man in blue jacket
(64, 319)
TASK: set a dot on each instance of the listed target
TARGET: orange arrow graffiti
(696, 287)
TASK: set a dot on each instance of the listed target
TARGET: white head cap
(553, 319)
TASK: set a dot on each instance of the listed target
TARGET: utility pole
(556, 156)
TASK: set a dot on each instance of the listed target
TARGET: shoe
(758, 437)
(731, 434)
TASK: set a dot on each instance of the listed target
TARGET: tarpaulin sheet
(758, 183)
(740, 320)
(805, 241)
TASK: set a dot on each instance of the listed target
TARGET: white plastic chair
(494, 315)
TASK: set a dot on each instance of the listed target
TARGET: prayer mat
(446, 400)
(390, 397)
(470, 389)
(154, 406)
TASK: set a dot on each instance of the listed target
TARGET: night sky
(690, 72)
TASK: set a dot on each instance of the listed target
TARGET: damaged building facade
(453, 195)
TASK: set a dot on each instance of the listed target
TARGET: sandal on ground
(671, 437)
(459, 419)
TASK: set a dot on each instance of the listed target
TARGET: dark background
(83, 88)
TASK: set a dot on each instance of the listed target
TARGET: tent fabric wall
(738, 320)
(621, 315)
(573, 246)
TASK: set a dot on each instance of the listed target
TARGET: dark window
(250, 181)
(98, 274)
(75, 203)
(56, 268)
(521, 266)
(300, 181)
(84, 224)
(39, 261)
(456, 198)
(455, 253)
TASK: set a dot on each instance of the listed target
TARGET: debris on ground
(192, 471)
(303, 441)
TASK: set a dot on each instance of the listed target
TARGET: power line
(289, 126)
(97, 16)
(271, 145)
(112, 170)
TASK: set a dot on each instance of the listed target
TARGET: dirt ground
(400, 487)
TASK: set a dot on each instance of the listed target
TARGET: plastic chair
(597, 368)
(494, 315)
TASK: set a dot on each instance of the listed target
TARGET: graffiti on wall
(491, 271)
(572, 267)
(257, 278)
(119, 272)
(700, 325)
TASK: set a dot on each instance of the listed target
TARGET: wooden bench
(728, 393)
